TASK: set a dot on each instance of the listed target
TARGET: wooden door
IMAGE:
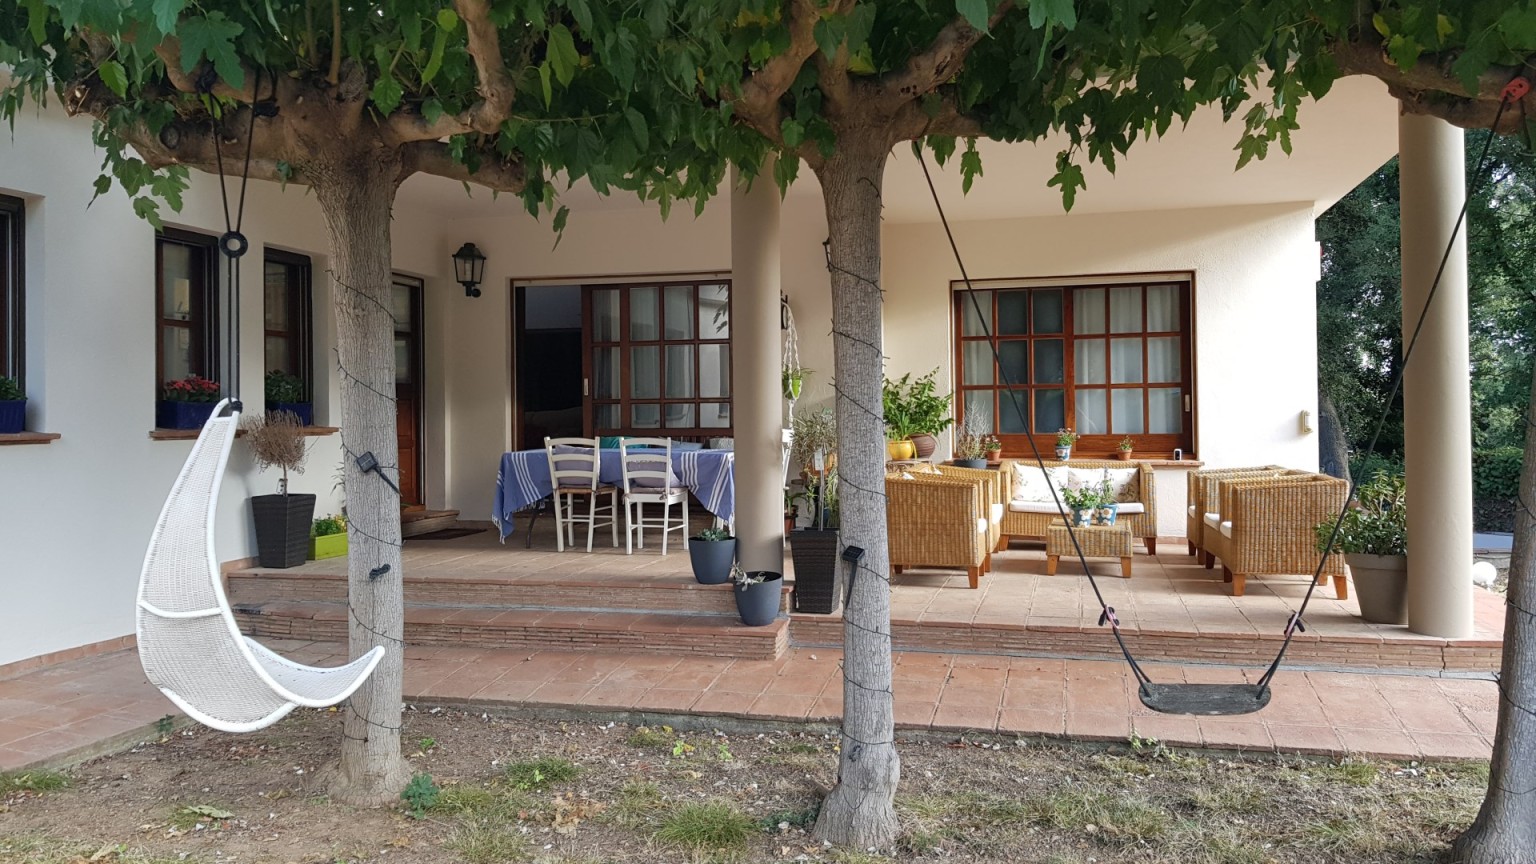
(409, 385)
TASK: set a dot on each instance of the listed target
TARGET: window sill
(29, 438)
(191, 434)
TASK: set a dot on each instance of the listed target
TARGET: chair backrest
(573, 462)
(647, 464)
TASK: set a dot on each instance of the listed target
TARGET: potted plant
(1373, 536)
(993, 446)
(914, 410)
(712, 553)
(186, 403)
(792, 378)
(814, 549)
(758, 594)
(1093, 504)
(971, 439)
(283, 521)
(328, 538)
(1124, 448)
(1065, 438)
(286, 393)
(13, 407)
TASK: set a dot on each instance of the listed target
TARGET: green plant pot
(329, 546)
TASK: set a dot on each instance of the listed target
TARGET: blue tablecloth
(523, 480)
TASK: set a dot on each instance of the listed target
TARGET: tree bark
(1505, 829)
(355, 193)
(860, 810)
(1333, 443)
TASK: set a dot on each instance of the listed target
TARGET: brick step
(416, 522)
(681, 595)
(502, 627)
(1236, 649)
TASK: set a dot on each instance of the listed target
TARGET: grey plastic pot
(758, 604)
(1381, 586)
(712, 560)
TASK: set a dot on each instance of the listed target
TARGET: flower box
(182, 415)
(305, 411)
(328, 546)
(13, 416)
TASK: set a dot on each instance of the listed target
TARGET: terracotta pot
(1123, 455)
(924, 443)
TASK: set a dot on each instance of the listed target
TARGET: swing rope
(232, 243)
(1217, 698)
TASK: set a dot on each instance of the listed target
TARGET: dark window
(287, 317)
(12, 295)
(1108, 361)
(186, 307)
(661, 359)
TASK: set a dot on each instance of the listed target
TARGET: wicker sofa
(1266, 527)
(1029, 510)
(934, 521)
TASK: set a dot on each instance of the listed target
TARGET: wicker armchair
(937, 522)
(994, 492)
(1033, 525)
(1267, 528)
(1201, 498)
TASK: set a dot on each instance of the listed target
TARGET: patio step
(417, 522)
(538, 628)
(682, 595)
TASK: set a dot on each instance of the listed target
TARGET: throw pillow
(1032, 484)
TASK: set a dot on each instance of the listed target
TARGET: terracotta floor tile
(560, 693)
(1028, 721)
(915, 714)
(1427, 710)
(963, 717)
(724, 702)
(1438, 745)
(1383, 743)
(614, 696)
(667, 701)
(1311, 740)
(1174, 731)
(1086, 726)
(785, 706)
(1235, 733)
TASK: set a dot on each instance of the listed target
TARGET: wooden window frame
(1147, 445)
(300, 302)
(205, 320)
(624, 343)
(13, 294)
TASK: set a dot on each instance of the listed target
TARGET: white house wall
(76, 514)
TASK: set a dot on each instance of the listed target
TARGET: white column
(1437, 394)
(755, 347)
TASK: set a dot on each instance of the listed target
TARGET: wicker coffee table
(1098, 541)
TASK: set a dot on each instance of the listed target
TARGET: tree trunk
(356, 193)
(860, 810)
(1505, 829)
(1333, 443)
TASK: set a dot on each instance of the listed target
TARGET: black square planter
(818, 580)
(282, 528)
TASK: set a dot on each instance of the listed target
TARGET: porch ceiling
(1343, 137)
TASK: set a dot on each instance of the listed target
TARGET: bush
(1377, 525)
(282, 387)
(1496, 472)
(1365, 467)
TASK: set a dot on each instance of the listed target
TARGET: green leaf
(970, 166)
(447, 19)
(113, 75)
(435, 59)
(1404, 51)
(638, 127)
(976, 12)
(37, 20)
(212, 37)
(386, 95)
(544, 85)
(793, 131)
(562, 53)
(561, 215)
(166, 13)
(1045, 13)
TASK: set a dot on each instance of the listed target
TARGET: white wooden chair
(574, 466)
(648, 479)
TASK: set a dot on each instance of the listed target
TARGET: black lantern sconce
(826, 249)
(469, 268)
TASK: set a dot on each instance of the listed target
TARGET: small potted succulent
(1124, 448)
(13, 407)
(1373, 537)
(284, 520)
(1065, 438)
(712, 553)
(758, 595)
(328, 538)
(186, 403)
(286, 393)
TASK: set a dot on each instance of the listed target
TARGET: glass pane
(606, 416)
(277, 354)
(715, 371)
(1010, 420)
(1088, 357)
(679, 372)
(1048, 311)
(1163, 359)
(605, 315)
(679, 311)
(976, 318)
(1125, 361)
(1127, 418)
(1013, 313)
(176, 288)
(402, 360)
(976, 362)
(646, 415)
(645, 372)
(1125, 309)
(679, 415)
(177, 344)
(276, 291)
(1162, 308)
(605, 373)
(715, 415)
(978, 405)
(643, 323)
(1050, 410)
(1015, 361)
(714, 312)
(1092, 416)
(1165, 411)
(1050, 361)
(400, 307)
(1088, 310)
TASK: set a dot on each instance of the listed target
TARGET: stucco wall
(76, 514)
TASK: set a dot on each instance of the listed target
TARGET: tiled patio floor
(75, 709)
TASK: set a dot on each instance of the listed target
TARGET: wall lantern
(826, 249)
(469, 268)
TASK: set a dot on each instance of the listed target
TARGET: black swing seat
(1207, 699)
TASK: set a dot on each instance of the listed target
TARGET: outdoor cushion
(1123, 481)
(1213, 519)
(997, 512)
(1191, 509)
(1131, 508)
(1032, 484)
(1020, 506)
(1226, 529)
